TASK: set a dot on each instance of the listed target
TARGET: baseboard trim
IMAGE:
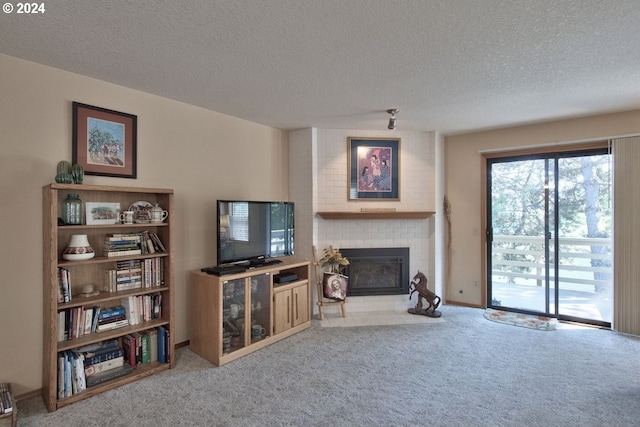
(465, 304)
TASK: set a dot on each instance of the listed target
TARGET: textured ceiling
(449, 65)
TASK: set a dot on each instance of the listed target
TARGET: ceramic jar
(72, 210)
(78, 249)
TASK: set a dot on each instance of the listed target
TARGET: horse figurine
(419, 284)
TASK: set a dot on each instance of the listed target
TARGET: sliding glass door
(549, 235)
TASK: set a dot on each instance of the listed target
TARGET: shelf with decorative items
(108, 290)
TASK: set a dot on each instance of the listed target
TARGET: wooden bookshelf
(55, 240)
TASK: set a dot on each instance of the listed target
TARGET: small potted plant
(334, 283)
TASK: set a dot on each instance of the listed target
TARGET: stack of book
(128, 274)
(122, 245)
(102, 362)
(6, 401)
(112, 318)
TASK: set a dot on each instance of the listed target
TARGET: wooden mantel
(382, 214)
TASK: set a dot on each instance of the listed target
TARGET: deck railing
(584, 263)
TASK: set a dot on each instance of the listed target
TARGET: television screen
(253, 231)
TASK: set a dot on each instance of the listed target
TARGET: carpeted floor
(463, 371)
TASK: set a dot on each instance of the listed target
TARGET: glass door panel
(584, 238)
(260, 307)
(233, 315)
(517, 246)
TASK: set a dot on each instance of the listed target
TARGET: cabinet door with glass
(233, 315)
(260, 288)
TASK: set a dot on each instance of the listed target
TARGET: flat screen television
(253, 231)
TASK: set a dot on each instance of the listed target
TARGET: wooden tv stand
(236, 314)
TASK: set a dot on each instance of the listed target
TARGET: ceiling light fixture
(392, 119)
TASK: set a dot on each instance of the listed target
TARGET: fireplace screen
(377, 271)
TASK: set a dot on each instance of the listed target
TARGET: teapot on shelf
(158, 214)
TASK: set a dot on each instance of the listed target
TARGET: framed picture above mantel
(104, 141)
(374, 168)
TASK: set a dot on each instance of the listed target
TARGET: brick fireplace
(377, 271)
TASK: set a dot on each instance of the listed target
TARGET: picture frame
(102, 213)
(374, 168)
(104, 141)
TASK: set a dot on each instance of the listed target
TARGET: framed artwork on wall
(104, 141)
(374, 168)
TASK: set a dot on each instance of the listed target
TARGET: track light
(392, 119)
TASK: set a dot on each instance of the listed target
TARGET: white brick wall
(326, 190)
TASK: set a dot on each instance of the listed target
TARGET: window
(239, 221)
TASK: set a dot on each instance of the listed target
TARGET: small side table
(10, 419)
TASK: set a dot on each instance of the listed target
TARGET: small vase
(78, 249)
(72, 210)
(77, 171)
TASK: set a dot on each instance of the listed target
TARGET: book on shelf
(91, 349)
(153, 345)
(113, 325)
(162, 344)
(111, 312)
(109, 375)
(60, 375)
(122, 237)
(145, 349)
(88, 320)
(98, 368)
(128, 252)
(103, 356)
(129, 346)
(130, 305)
(79, 378)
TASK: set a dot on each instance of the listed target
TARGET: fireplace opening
(377, 271)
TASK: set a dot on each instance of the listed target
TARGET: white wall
(202, 155)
